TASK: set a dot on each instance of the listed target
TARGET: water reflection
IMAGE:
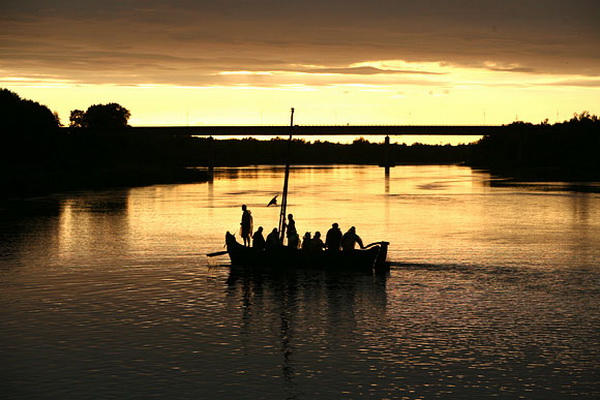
(570, 187)
(26, 224)
(387, 179)
(493, 291)
(210, 197)
(92, 224)
(580, 205)
(79, 225)
(436, 214)
(301, 307)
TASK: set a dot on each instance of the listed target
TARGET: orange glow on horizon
(388, 92)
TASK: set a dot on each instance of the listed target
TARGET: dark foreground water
(494, 292)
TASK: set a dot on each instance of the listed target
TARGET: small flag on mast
(273, 201)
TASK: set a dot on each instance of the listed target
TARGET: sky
(246, 62)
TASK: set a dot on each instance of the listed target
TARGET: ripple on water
(482, 301)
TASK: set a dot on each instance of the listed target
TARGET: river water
(494, 291)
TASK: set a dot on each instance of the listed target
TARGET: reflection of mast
(288, 299)
(286, 179)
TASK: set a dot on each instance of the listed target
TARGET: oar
(217, 253)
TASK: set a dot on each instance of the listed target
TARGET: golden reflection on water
(430, 214)
(94, 225)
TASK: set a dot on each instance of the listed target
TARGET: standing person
(292, 233)
(291, 226)
(333, 239)
(258, 240)
(350, 238)
(246, 225)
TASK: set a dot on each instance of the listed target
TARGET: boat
(370, 259)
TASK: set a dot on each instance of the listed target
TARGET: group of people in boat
(334, 239)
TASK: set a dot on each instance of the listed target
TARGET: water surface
(494, 291)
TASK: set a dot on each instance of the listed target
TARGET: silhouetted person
(333, 239)
(350, 239)
(246, 225)
(307, 242)
(291, 225)
(318, 244)
(258, 240)
(292, 233)
(272, 241)
(293, 241)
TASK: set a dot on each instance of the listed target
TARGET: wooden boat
(372, 258)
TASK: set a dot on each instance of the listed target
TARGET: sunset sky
(219, 62)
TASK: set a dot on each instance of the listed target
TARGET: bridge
(321, 130)
(316, 130)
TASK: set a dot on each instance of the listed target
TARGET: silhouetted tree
(585, 118)
(77, 119)
(18, 116)
(571, 146)
(101, 116)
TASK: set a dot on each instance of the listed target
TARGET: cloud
(190, 42)
(582, 83)
(366, 71)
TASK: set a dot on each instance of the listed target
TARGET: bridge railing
(322, 130)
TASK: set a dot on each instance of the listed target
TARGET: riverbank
(86, 160)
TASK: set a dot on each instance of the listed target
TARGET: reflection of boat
(329, 303)
(372, 258)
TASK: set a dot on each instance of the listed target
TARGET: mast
(286, 179)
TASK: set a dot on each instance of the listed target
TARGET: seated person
(317, 242)
(350, 239)
(272, 241)
(307, 242)
(258, 240)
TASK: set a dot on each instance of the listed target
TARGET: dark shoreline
(92, 159)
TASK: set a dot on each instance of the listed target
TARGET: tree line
(37, 156)
(26, 117)
(568, 148)
(100, 150)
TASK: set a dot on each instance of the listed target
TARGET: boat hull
(367, 260)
